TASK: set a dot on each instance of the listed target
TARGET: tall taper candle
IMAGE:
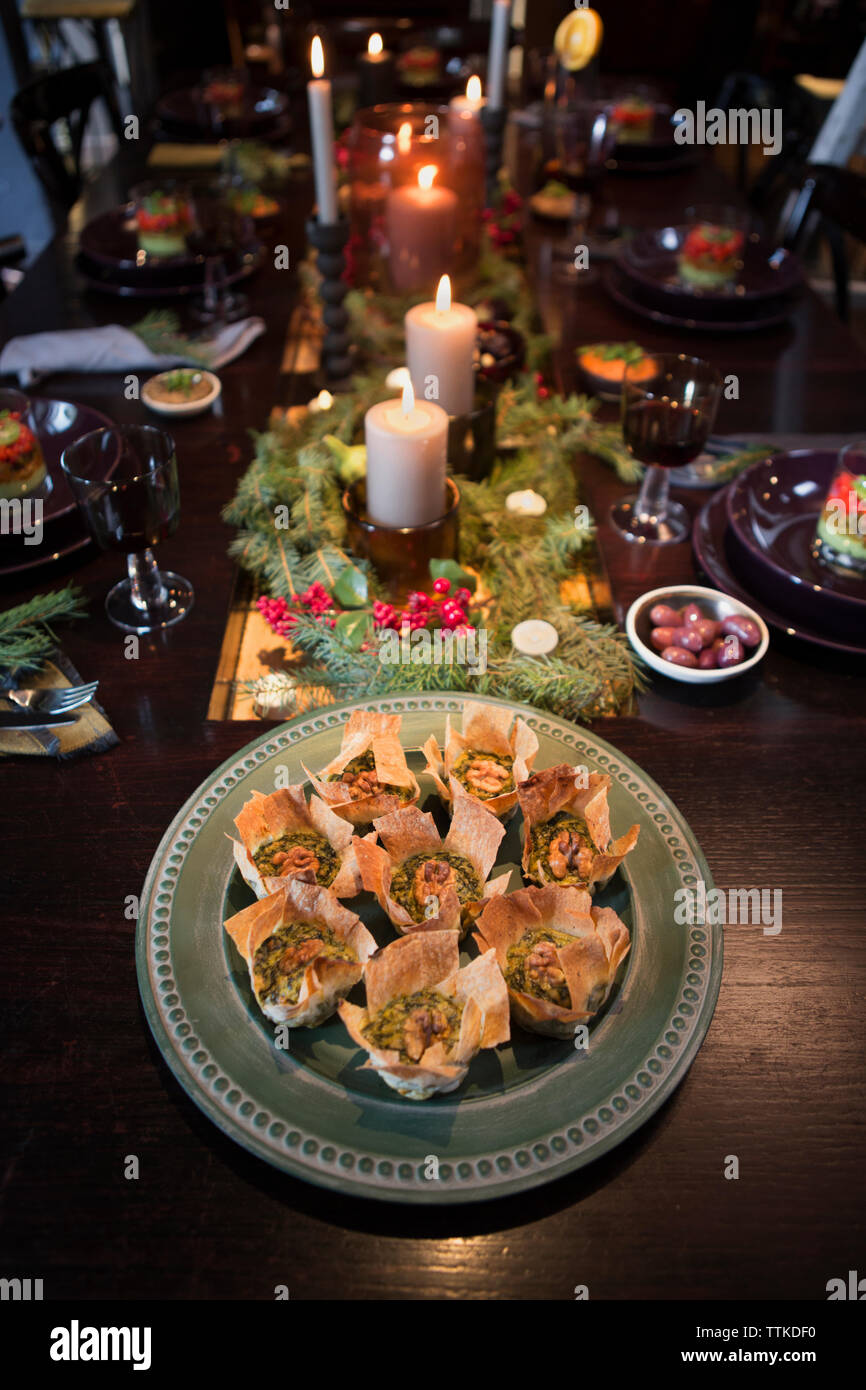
(497, 55)
(322, 136)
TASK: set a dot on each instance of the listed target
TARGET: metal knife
(23, 720)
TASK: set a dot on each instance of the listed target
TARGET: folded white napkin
(114, 349)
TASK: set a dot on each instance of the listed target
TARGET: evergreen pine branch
(160, 331)
(26, 635)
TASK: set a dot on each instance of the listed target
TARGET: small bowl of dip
(181, 391)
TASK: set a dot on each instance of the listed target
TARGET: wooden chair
(831, 201)
(66, 95)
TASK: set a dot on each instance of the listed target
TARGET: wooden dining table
(766, 769)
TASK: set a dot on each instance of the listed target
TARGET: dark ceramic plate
(57, 424)
(189, 279)
(260, 109)
(658, 152)
(720, 555)
(650, 260)
(773, 508)
(629, 295)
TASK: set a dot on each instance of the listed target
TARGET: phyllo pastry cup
(486, 761)
(559, 955)
(566, 823)
(426, 1017)
(370, 775)
(425, 883)
(304, 951)
(281, 837)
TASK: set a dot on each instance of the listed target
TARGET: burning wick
(443, 295)
(408, 402)
(317, 57)
(427, 175)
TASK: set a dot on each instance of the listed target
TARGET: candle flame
(374, 45)
(408, 402)
(443, 295)
(473, 89)
(317, 57)
(404, 138)
(427, 175)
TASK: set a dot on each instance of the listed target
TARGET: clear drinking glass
(221, 236)
(124, 480)
(576, 142)
(668, 410)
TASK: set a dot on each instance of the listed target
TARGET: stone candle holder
(329, 240)
(401, 555)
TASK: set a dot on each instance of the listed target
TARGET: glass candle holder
(401, 555)
(472, 437)
(840, 536)
(409, 227)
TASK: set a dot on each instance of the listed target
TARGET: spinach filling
(359, 778)
(531, 966)
(411, 1023)
(281, 960)
(299, 849)
(418, 883)
(483, 774)
(557, 849)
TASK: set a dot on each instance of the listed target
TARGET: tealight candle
(527, 503)
(322, 136)
(323, 401)
(407, 444)
(440, 347)
(534, 637)
(421, 224)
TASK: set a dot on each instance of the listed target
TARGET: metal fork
(51, 701)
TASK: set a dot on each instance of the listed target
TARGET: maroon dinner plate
(773, 508)
(57, 424)
(720, 556)
(650, 260)
(629, 295)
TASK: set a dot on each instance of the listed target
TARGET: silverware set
(41, 709)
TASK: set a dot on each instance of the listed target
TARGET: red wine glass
(124, 480)
(666, 420)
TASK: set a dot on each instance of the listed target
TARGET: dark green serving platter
(529, 1111)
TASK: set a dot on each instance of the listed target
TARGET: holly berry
(442, 586)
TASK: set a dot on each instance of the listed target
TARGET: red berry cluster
(441, 609)
(542, 392)
(280, 615)
(503, 222)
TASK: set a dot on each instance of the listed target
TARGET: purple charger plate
(58, 423)
(650, 259)
(627, 295)
(719, 554)
(773, 509)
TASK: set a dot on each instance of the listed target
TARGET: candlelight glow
(317, 57)
(427, 175)
(324, 400)
(473, 89)
(374, 45)
(408, 401)
(404, 138)
(443, 295)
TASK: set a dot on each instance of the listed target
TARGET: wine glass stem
(145, 581)
(652, 500)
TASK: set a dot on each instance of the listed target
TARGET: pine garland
(26, 636)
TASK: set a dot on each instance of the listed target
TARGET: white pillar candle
(322, 136)
(496, 57)
(440, 348)
(470, 104)
(407, 445)
(421, 223)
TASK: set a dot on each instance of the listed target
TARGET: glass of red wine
(222, 238)
(124, 480)
(577, 140)
(667, 415)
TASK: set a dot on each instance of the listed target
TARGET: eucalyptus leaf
(449, 569)
(350, 590)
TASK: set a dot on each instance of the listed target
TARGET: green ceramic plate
(527, 1112)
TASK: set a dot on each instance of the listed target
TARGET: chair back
(66, 95)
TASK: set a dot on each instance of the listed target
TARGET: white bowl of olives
(697, 635)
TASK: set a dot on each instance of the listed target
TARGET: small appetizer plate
(715, 605)
(164, 393)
